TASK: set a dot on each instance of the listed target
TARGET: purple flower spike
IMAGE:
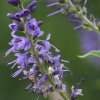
(27, 61)
(14, 2)
(15, 27)
(77, 91)
(12, 16)
(19, 15)
(26, 13)
(31, 5)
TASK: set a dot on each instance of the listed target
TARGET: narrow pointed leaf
(94, 53)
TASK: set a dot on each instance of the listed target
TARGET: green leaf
(94, 53)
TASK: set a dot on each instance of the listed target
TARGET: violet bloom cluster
(34, 58)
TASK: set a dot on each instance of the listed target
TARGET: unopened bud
(92, 17)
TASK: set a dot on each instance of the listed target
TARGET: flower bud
(31, 5)
(26, 13)
(92, 17)
(12, 16)
(84, 11)
(19, 15)
(14, 2)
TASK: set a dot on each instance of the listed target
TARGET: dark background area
(64, 37)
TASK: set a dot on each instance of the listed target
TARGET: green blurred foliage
(64, 37)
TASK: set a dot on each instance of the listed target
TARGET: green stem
(81, 16)
(34, 52)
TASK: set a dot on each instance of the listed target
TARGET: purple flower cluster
(34, 54)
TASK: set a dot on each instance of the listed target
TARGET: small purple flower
(59, 73)
(15, 27)
(14, 2)
(18, 43)
(33, 28)
(22, 60)
(19, 15)
(26, 13)
(60, 87)
(33, 9)
(76, 91)
(13, 17)
(37, 33)
(43, 80)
